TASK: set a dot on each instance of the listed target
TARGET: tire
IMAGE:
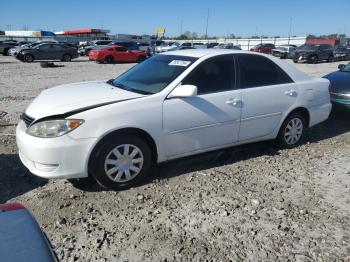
(112, 163)
(28, 58)
(109, 60)
(6, 52)
(141, 59)
(66, 58)
(295, 124)
(313, 59)
(330, 59)
(85, 184)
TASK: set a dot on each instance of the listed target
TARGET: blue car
(340, 86)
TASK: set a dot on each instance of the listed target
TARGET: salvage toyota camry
(173, 105)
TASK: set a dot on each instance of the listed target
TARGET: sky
(239, 17)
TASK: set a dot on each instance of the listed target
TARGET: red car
(263, 48)
(116, 53)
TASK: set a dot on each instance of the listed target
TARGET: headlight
(54, 128)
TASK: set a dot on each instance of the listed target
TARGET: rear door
(121, 54)
(57, 51)
(267, 93)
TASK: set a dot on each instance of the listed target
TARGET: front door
(210, 119)
(267, 93)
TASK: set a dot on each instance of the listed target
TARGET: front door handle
(234, 102)
(291, 92)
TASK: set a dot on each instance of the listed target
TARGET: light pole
(206, 28)
(290, 29)
(181, 27)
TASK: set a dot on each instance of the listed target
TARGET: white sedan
(172, 105)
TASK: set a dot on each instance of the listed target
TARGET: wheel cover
(293, 131)
(123, 163)
(29, 58)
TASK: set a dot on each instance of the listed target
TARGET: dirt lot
(252, 202)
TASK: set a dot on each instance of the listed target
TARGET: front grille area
(27, 119)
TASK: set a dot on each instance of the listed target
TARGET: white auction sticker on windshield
(179, 63)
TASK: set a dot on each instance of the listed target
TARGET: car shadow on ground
(15, 179)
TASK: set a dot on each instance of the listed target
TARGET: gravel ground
(252, 202)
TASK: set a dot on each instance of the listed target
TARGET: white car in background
(172, 105)
(165, 47)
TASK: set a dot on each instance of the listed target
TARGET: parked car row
(310, 53)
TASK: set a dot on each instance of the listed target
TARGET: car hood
(76, 97)
(340, 81)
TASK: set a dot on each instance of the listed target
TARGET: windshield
(154, 74)
(309, 47)
(340, 48)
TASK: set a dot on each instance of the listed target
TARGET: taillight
(10, 207)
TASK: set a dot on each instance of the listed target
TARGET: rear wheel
(66, 58)
(292, 131)
(121, 162)
(109, 59)
(141, 58)
(28, 58)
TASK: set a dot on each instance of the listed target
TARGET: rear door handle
(291, 92)
(234, 102)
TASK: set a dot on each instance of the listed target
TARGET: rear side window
(256, 70)
(121, 49)
(213, 75)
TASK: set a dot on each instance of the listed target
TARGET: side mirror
(183, 91)
(341, 67)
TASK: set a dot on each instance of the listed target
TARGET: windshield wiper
(124, 87)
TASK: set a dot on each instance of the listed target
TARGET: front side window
(154, 74)
(213, 75)
(256, 70)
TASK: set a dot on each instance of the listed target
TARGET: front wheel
(28, 58)
(121, 162)
(292, 131)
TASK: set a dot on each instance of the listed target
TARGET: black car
(340, 86)
(313, 53)
(48, 52)
(342, 52)
(5, 46)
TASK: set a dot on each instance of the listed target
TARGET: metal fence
(248, 43)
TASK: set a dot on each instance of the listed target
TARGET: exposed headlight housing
(54, 128)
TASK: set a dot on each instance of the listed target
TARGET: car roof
(293, 72)
(204, 52)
